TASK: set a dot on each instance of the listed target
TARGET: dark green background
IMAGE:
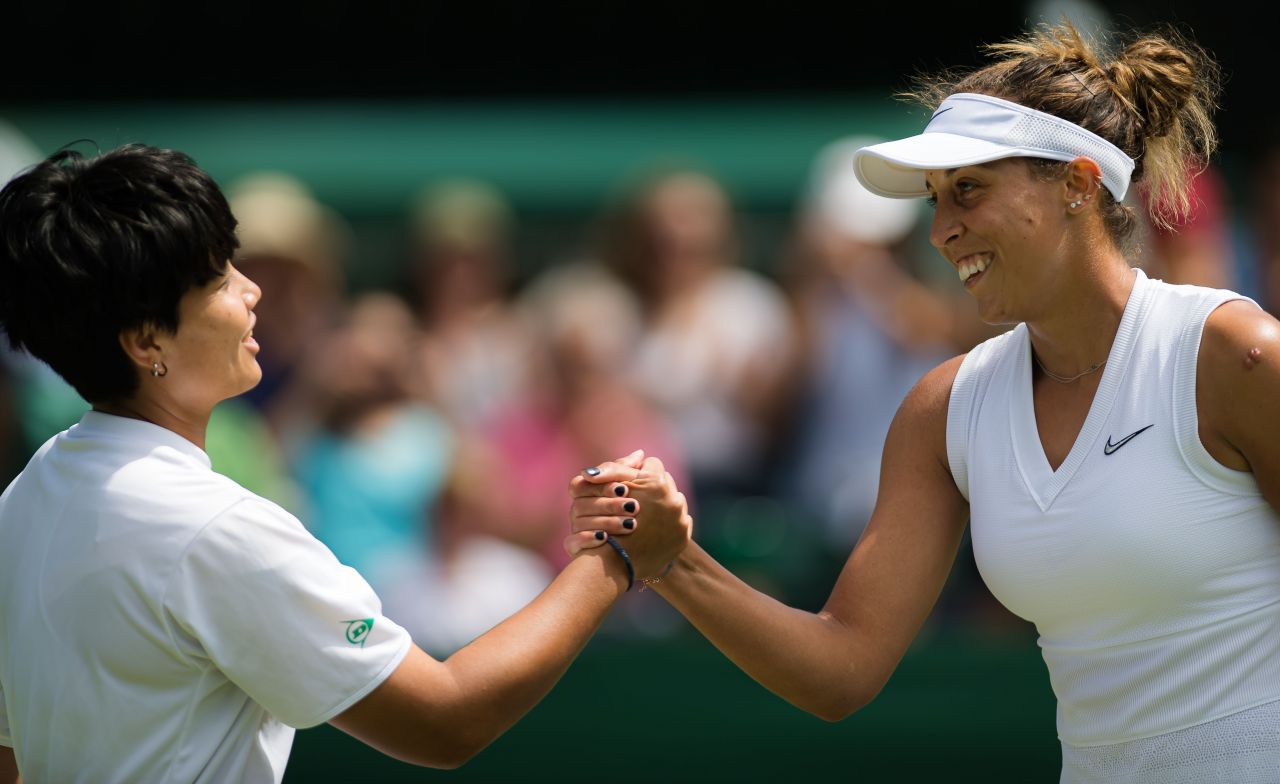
(961, 707)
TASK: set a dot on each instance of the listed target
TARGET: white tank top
(1151, 571)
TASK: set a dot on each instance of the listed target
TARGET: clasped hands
(635, 500)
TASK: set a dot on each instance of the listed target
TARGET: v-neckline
(1044, 483)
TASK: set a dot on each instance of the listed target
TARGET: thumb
(583, 540)
(634, 460)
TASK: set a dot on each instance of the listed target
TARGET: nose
(946, 226)
(251, 291)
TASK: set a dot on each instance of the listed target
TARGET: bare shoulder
(1239, 325)
(1239, 350)
(928, 399)
(921, 421)
(1237, 384)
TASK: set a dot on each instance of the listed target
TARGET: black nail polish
(600, 535)
(629, 523)
(629, 507)
(620, 490)
(591, 471)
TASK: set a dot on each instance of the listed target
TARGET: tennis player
(158, 622)
(1117, 452)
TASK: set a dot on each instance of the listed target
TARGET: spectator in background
(1196, 248)
(1266, 228)
(868, 331)
(472, 348)
(292, 246)
(582, 324)
(375, 468)
(717, 341)
(579, 406)
(870, 327)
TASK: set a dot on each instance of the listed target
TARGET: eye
(932, 200)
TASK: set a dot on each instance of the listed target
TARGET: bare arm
(8, 767)
(1238, 393)
(440, 714)
(833, 662)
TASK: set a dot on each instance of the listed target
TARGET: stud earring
(1074, 204)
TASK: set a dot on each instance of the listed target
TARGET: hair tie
(626, 559)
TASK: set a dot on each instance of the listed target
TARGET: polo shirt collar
(137, 430)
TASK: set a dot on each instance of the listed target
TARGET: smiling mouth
(972, 266)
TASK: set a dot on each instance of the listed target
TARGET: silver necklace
(1066, 379)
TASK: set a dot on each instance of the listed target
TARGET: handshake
(633, 505)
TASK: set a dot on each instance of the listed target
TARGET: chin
(999, 321)
(251, 380)
(994, 315)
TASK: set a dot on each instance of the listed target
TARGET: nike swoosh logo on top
(1110, 447)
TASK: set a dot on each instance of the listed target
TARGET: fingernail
(629, 507)
(600, 535)
(629, 523)
(619, 490)
(591, 471)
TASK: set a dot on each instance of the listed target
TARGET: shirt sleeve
(303, 635)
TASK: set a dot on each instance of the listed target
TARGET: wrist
(682, 567)
(649, 582)
(610, 566)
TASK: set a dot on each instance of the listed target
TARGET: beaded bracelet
(645, 582)
(626, 559)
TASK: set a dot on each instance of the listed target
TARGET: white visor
(968, 129)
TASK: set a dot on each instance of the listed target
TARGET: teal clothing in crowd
(370, 494)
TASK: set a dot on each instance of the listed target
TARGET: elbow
(834, 712)
(447, 762)
(452, 752)
(840, 705)
(447, 757)
(441, 758)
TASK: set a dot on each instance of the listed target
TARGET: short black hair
(93, 246)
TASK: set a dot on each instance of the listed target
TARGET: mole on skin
(1253, 358)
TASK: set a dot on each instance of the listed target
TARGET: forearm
(440, 714)
(809, 659)
(508, 670)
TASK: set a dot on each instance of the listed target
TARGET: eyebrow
(945, 173)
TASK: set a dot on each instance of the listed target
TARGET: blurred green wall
(367, 159)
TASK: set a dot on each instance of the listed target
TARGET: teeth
(968, 269)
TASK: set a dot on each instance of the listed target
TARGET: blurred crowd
(426, 429)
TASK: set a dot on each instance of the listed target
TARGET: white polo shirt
(160, 623)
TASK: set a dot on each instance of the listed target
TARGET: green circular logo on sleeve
(358, 630)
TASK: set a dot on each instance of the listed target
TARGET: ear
(140, 346)
(1081, 184)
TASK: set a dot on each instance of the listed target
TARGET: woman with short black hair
(158, 622)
